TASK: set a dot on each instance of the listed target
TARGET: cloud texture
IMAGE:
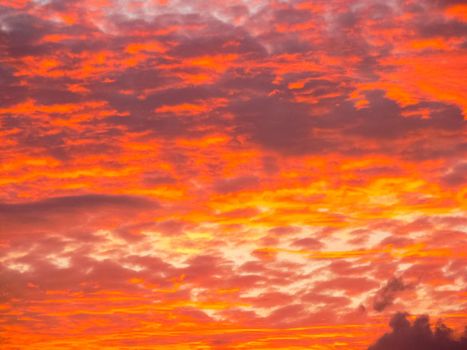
(262, 174)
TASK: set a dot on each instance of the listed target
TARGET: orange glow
(458, 11)
(266, 175)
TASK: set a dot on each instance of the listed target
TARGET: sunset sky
(230, 175)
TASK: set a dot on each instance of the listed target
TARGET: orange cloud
(262, 175)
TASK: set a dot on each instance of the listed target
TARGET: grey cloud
(419, 335)
(386, 295)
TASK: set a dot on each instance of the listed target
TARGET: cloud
(419, 336)
(236, 184)
(445, 29)
(301, 153)
(386, 295)
(71, 203)
(351, 285)
(66, 213)
(456, 176)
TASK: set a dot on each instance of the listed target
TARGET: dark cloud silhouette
(68, 203)
(419, 335)
(69, 210)
(386, 295)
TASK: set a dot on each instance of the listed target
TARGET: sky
(232, 175)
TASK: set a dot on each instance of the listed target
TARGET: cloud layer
(230, 175)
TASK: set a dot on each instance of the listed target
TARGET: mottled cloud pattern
(263, 174)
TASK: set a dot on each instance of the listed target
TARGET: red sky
(230, 175)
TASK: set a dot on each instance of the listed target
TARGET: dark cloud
(419, 336)
(67, 203)
(291, 16)
(20, 32)
(383, 118)
(236, 184)
(386, 295)
(456, 176)
(444, 29)
(220, 39)
(447, 3)
(270, 116)
(69, 210)
(277, 124)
